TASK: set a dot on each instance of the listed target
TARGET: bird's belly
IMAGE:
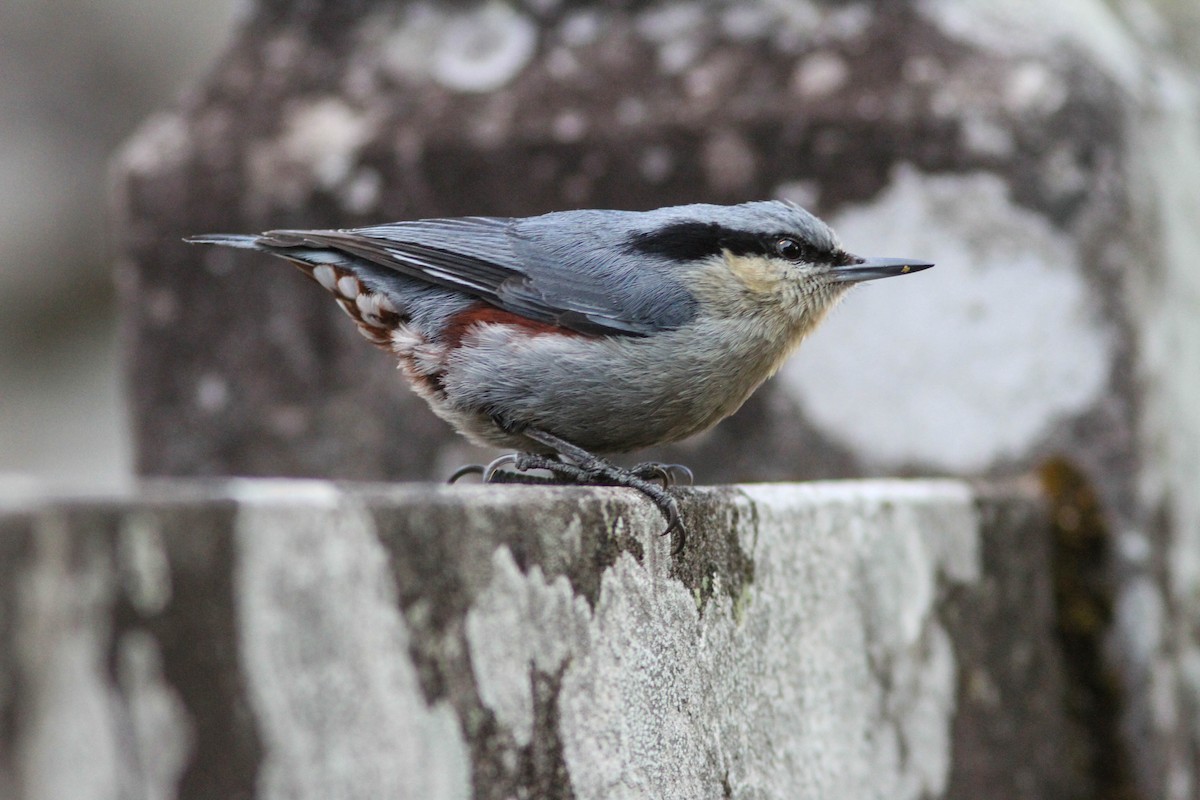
(605, 394)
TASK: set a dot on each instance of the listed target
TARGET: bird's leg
(587, 468)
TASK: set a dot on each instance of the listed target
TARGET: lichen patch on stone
(1029, 346)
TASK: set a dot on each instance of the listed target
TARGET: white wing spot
(325, 276)
(348, 286)
(368, 306)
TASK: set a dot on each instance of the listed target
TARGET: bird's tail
(228, 239)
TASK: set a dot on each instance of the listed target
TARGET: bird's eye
(789, 248)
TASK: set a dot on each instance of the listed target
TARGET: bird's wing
(560, 269)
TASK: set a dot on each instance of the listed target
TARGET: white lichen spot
(676, 56)
(483, 49)
(336, 698)
(561, 63)
(142, 560)
(212, 393)
(1027, 27)
(985, 136)
(1140, 613)
(569, 126)
(72, 743)
(521, 623)
(407, 50)
(310, 494)
(820, 74)
(1134, 548)
(971, 362)
(361, 193)
(158, 725)
(160, 144)
(325, 137)
(1033, 87)
(1179, 781)
(317, 150)
(849, 21)
(677, 29)
(946, 102)
(706, 80)
(580, 29)
(1151, 25)
(669, 22)
(747, 22)
(1166, 294)
(796, 24)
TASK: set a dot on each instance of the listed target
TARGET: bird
(576, 335)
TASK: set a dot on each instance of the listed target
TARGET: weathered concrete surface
(291, 639)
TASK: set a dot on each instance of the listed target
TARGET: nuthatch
(584, 332)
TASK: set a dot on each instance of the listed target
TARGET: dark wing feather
(427, 250)
(561, 269)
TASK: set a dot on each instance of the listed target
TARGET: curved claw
(489, 472)
(674, 525)
(667, 475)
(681, 474)
(469, 469)
(656, 472)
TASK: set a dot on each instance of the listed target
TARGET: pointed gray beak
(868, 269)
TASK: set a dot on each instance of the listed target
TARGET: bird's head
(768, 259)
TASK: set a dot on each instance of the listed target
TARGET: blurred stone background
(78, 77)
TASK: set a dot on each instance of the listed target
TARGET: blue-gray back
(595, 271)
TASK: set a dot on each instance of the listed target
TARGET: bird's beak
(868, 269)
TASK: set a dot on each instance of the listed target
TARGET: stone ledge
(308, 639)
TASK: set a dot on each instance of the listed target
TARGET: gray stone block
(299, 639)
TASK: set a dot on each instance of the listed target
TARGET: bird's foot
(577, 465)
(574, 465)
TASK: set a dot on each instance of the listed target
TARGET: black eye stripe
(692, 241)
